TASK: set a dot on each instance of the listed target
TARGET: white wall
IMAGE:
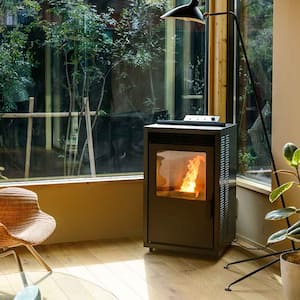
(286, 76)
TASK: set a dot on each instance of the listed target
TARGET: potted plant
(289, 261)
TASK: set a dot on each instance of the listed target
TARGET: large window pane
(256, 23)
(96, 73)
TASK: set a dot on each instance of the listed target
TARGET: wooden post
(29, 138)
(217, 57)
(48, 99)
(89, 136)
(169, 94)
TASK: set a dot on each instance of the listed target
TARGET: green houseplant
(289, 261)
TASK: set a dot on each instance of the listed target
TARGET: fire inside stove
(181, 174)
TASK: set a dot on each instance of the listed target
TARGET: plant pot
(290, 275)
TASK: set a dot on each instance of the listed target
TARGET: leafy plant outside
(89, 44)
(92, 45)
(16, 48)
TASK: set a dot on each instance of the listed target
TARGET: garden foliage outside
(256, 19)
(64, 52)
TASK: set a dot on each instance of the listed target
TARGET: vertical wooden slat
(29, 138)
(48, 99)
(170, 67)
(217, 60)
(48, 90)
(211, 61)
(89, 136)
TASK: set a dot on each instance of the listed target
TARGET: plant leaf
(277, 192)
(296, 158)
(288, 151)
(281, 213)
(277, 236)
(294, 234)
(288, 172)
(294, 226)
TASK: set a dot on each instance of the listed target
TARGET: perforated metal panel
(226, 209)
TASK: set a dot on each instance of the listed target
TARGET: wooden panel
(217, 68)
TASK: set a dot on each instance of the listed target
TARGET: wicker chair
(22, 223)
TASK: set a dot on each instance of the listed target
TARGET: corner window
(256, 19)
(80, 79)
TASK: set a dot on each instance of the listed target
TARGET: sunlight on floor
(278, 278)
(105, 276)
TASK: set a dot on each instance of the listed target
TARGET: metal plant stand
(228, 288)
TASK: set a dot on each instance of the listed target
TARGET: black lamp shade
(187, 12)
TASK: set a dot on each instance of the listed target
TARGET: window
(256, 25)
(80, 79)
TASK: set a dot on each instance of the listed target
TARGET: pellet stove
(189, 187)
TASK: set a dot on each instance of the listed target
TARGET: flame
(189, 181)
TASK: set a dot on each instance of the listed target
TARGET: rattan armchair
(22, 223)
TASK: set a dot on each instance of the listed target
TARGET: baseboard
(253, 244)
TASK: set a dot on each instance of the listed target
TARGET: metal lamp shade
(187, 12)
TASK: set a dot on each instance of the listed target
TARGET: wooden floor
(130, 271)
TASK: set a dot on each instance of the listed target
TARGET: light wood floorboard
(129, 271)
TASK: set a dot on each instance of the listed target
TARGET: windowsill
(33, 182)
(252, 185)
(262, 188)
